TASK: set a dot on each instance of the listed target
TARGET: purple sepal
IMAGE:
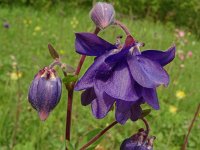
(146, 72)
(161, 57)
(120, 84)
(91, 45)
(88, 96)
(98, 69)
(102, 105)
(120, 54)
(150, 96)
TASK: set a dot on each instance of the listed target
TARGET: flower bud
(45, 92)
(138, 141)
(102, 14)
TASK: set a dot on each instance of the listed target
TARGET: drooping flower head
(45, 92)
(123, 76)
(102, 14)
(138, 141)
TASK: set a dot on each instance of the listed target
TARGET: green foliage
(182, 13)
(24, 50)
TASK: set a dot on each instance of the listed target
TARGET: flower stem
(122, 26)
(54, 63)
(190, 128)
(147, 125)
(70, 96)
(69, 111)
(95, 138)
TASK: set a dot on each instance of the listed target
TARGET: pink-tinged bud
(45, 92)
(102, 14)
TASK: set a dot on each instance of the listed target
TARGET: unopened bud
(45, 92)
(102, 14)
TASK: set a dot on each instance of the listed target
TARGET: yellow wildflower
(15, 75)
(173, 109)
(180, 94)
(74, 22)
(37, 28)
(62, 52)
(27, 22)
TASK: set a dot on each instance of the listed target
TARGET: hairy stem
(123, 27)
(70, 96)
(190, 128)
(54, 63)
(95, 138)
(147, 125)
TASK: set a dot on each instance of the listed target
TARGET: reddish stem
(147, 125)
(82, 59)
(68, 118)
(95, 138)
(70, 96)
(190, 128)
(123, 27)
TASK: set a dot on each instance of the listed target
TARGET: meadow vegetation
(23, 47)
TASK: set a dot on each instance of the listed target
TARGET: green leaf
(145, 112)
(69, 79)
(53, 52)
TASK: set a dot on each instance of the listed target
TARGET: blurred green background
(27, 26)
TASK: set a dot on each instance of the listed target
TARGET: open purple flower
(45, 92)
(124, 76)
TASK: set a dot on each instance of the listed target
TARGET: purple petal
(162, 57)
(48, 94)
(147, 73)
(121, 53)
(122, 117)
(136, 112)
(43, 115)
(121, 85)
(123, 111)
(101, 105)
(91, 45)
(32, 95)
(88, 96)
(150, 96)
(99, 67)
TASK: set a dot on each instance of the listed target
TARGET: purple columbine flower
(45, 92)
(124, 76)
(102, 14)
(138, 141)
